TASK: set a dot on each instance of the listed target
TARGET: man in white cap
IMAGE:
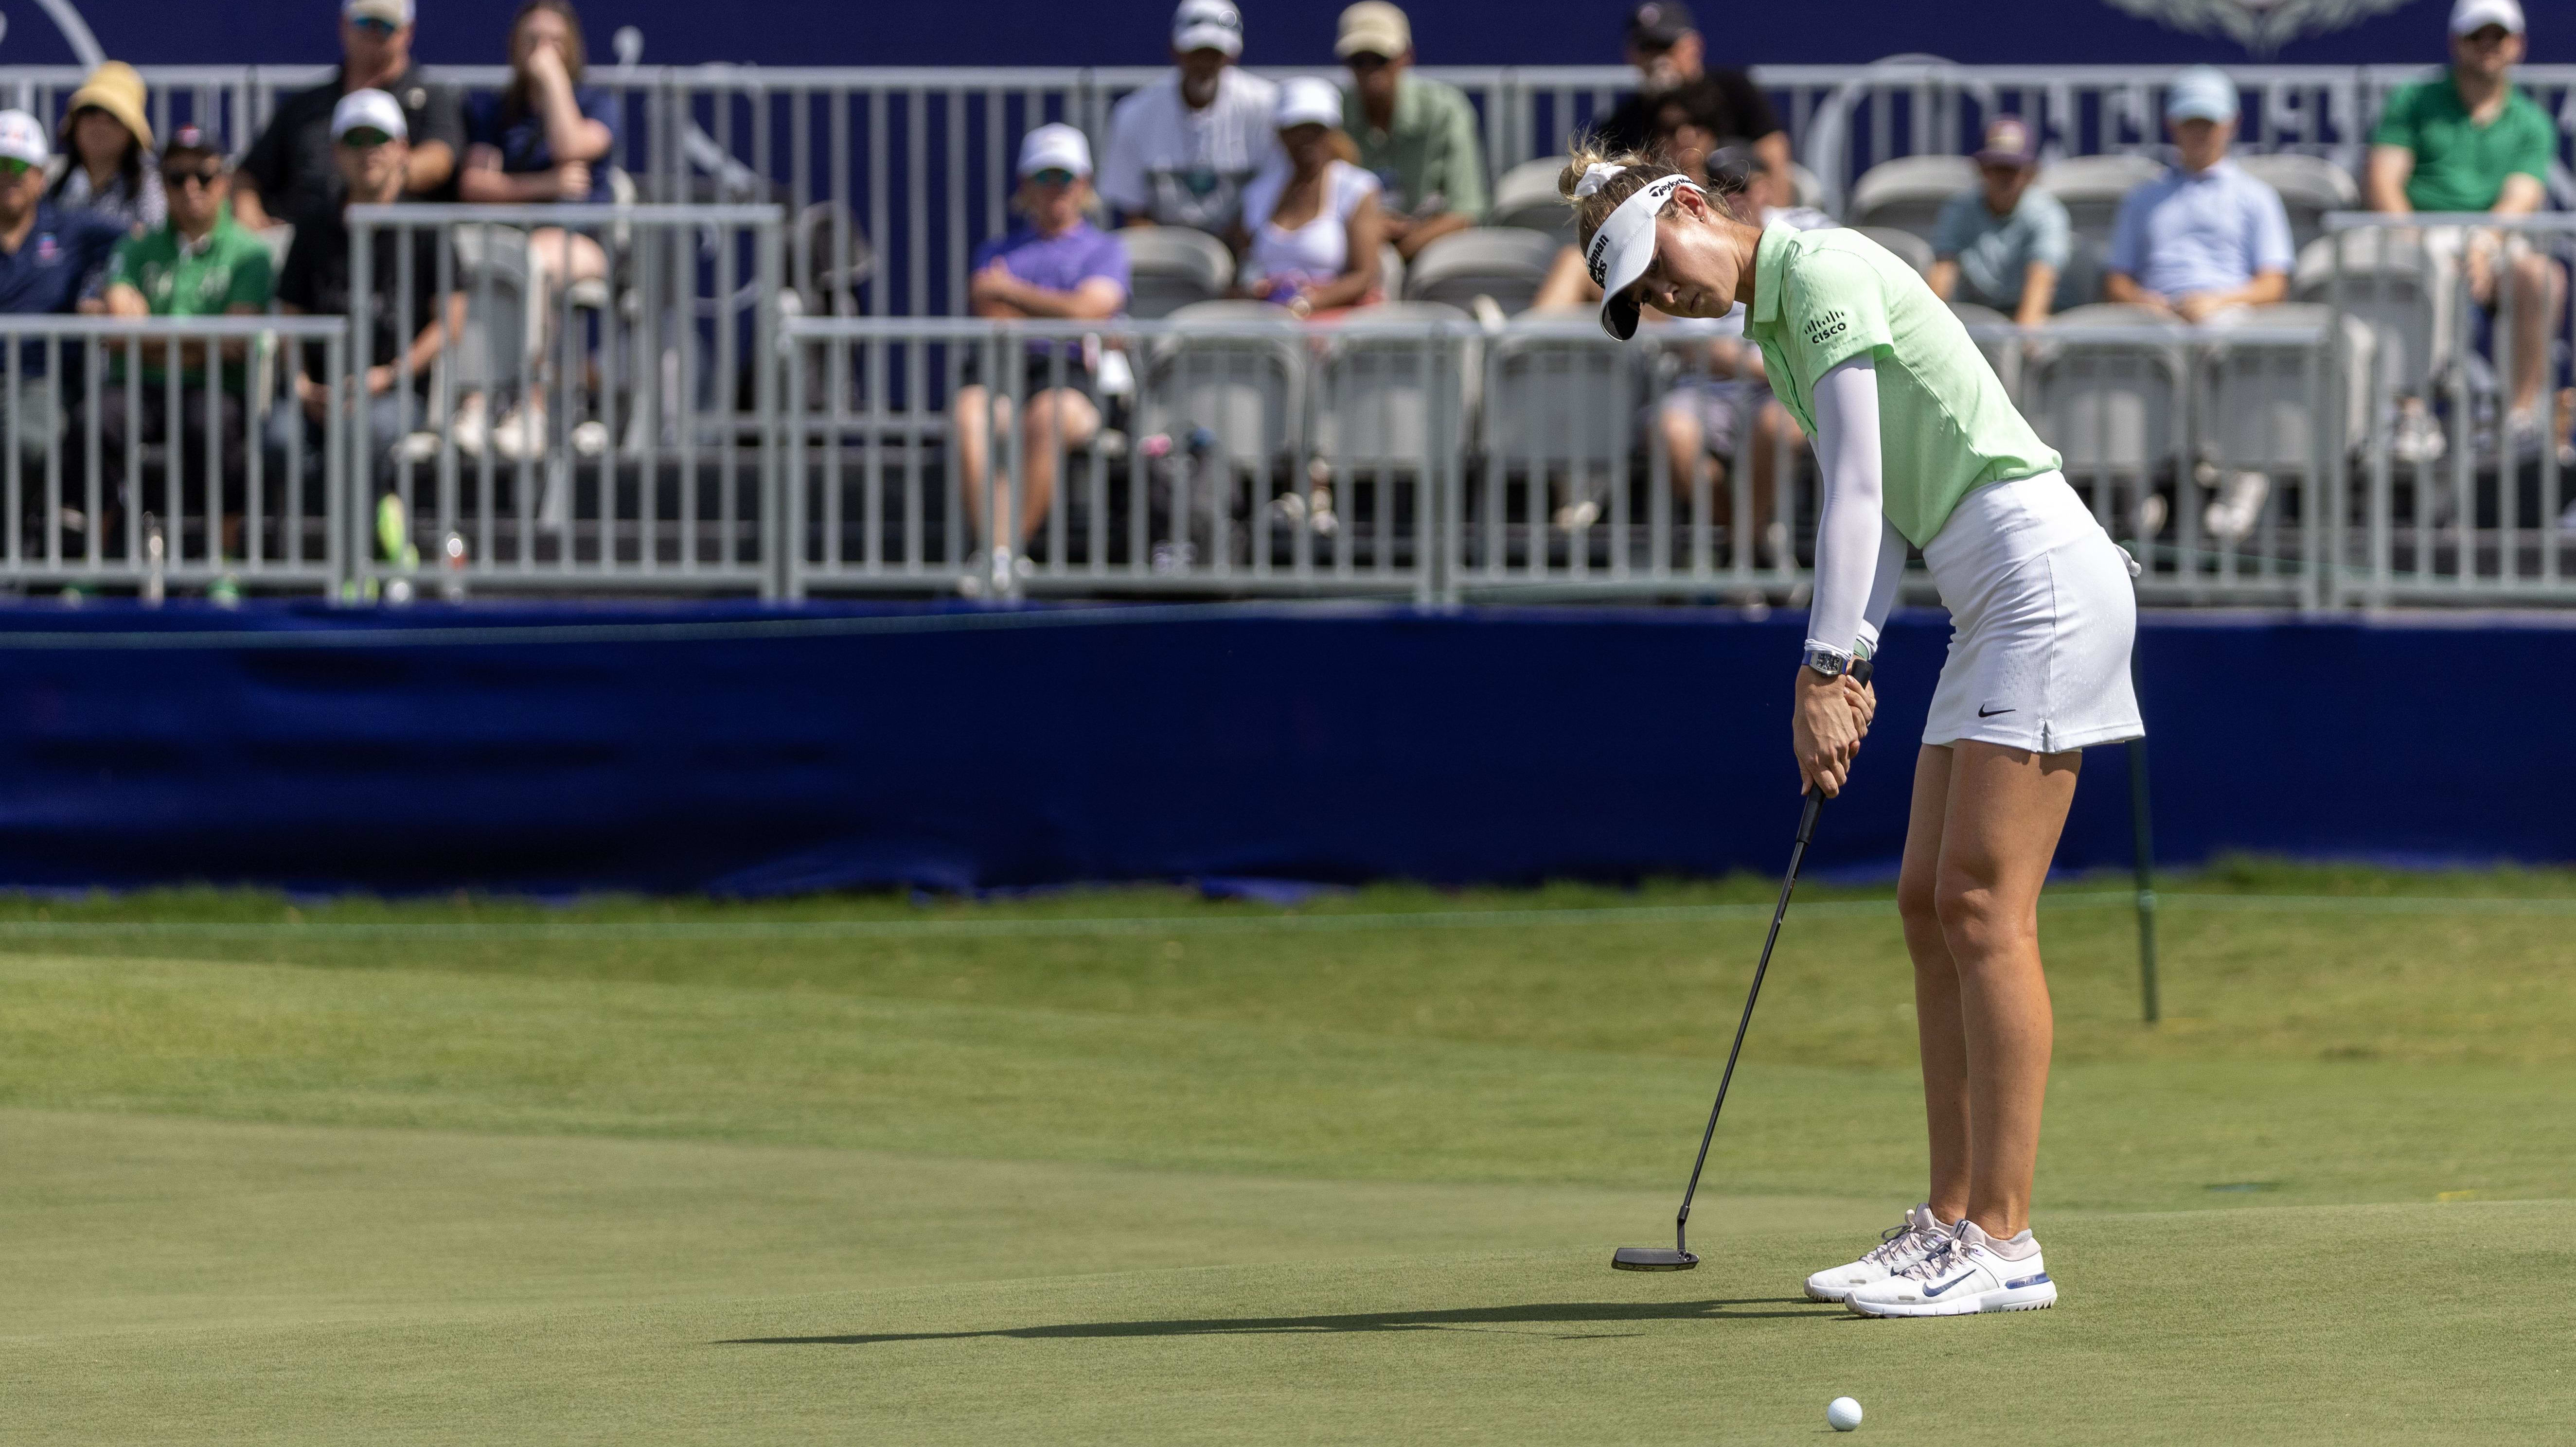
(2204, 237)
(2471, 140)
(410, 326)
(1056, 266)
(47, 255)
(1181, 149)
(290, 171)
(1418, 137)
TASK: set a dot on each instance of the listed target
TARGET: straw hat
(116, 89)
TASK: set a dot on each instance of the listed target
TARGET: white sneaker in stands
(1971, 1274)
(1905, 1243)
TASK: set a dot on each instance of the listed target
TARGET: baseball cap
(2009, 142)
(1208, 25)
(368, 109)
(2202, 93)
(23, 139)
(190, 141)
(1307, 100)
(396, 13)
(1373, 27)
(1055, 146)
(1659, 23)
(2471, 16)
(1622, 250)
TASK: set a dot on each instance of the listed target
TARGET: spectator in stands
(2204, 238)
(1313, 215)
(46, 255)
(545, 138)
(1182, 149)
(2004, 245)
(1418, 137)
(1055, 266)
(109, 142)
(199, 264)
(2471, 140)
(291, 170)
(367, 134)
(1665, 46)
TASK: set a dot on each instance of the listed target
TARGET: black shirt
(291, 161)
(1728, 96)
(316, 279)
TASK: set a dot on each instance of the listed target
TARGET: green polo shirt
(1945, 425)
(1427, 154)
(2459, 164)
(229, 268)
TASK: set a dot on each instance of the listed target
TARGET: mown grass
(1136, 1165)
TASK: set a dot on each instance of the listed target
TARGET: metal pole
(2142, 841)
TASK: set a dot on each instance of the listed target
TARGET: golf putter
(1679, 1257)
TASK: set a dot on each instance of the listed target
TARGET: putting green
(640, 1173)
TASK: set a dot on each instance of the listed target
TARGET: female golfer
(1918, 444)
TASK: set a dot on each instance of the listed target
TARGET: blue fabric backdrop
(758, 751)
(1277, 32)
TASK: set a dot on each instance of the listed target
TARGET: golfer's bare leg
(1937, 1020)
(2006, 809)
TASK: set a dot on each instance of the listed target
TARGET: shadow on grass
(1474, 1318)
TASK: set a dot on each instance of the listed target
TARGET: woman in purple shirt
(1057, 266)
(546, 138)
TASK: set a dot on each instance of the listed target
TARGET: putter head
(1652, 1258)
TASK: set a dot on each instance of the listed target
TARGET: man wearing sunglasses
(198, 264)
(1417, 136)
(290, 171)
(409, 329)
(46, 252)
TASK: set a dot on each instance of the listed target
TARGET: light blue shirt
(2183, 233)
(1995, 252)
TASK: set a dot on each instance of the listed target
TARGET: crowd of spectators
(101, 216)
(1315, 186)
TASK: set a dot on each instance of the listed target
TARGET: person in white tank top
(1313, 218)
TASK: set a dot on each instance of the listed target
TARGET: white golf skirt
(2042, 616)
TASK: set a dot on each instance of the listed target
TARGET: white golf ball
(1844, 1413)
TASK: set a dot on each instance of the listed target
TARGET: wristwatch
(1827, 661)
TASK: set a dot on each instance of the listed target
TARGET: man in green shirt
(199, 264)
(2471, 140)
(1418, 136)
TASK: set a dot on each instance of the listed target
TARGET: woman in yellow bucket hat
(107, 142)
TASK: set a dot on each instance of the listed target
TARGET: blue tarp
(755, 750)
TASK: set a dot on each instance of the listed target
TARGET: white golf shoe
(1972, 1273)
(1905, 1243)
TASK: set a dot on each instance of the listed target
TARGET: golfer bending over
(1918, 443)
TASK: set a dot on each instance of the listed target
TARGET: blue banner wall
(1300, 32)
(745, 750)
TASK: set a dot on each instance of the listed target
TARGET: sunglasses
(1052, 176)
(364, 139)
(11, 168)
(375, 29)
(1364, 62)
(175, 177)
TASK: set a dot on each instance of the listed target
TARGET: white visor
(1622, 250)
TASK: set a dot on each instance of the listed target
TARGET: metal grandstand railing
(890, 177)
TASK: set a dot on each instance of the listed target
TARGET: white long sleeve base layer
(1860, 556)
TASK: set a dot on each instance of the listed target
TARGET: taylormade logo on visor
(1597, 259)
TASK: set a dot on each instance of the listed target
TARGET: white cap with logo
(1055, 146)
(22, 138)
(396, 13)
(1208, 25)
(368, 110)
(1625, 246)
